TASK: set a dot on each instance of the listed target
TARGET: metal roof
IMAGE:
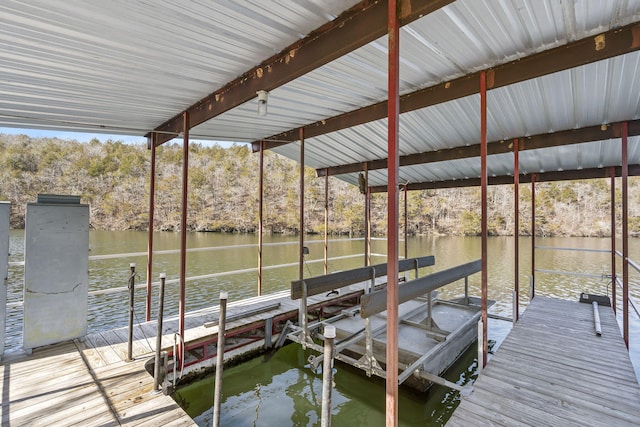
(130, 67)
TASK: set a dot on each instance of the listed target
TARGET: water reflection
(282, 392)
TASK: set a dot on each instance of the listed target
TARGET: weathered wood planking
(553, 370)
(55, 386)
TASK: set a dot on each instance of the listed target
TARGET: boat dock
(56, 385)
(553, 369)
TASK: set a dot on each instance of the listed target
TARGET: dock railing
(128, 256)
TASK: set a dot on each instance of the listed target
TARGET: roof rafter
(534, 142)
(590, 49)
(569, 175)
(354, 28)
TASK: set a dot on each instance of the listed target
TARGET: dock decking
(56, 386)
(553, 370)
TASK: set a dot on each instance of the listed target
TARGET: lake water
(278, 389)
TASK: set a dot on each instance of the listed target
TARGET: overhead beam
(570, 175)
(616, 42)
(534, 142)
(354, 28)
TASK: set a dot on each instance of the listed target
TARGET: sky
(86, 137)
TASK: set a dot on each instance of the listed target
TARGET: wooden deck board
(553, 370)
(56, 386)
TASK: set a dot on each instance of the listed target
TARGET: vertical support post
(301, 257)
(466, 290)
(516, 230)
(326, 222)
(368, 338)
(625, 234)
(183, 230)
(152, 207)
(5, 213)
(406, 224)
(484, 182)
(532, 278)
(613, 239)
(156, 366)
(132, 280)
(393, 165)
(367, 213)
(260, 216)
(217, 394)
(327, 374)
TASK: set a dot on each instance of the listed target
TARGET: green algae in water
(281, 390)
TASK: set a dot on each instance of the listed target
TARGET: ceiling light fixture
(263, 97)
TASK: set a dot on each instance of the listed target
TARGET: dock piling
(217, 395)
(132, 279)
(327, 374)
(156, 374)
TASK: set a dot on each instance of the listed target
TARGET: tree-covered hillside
(113, 178)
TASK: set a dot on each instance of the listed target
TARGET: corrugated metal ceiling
(126, 67)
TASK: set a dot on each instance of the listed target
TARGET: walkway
(553, 370)
(55, 386)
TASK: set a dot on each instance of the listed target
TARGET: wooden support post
(183, 232)
(327, 374)
(260, 215)
(516, 230)
(484, 182)
(152, 206)
(613, 239)
(393, 165)
(625, 234)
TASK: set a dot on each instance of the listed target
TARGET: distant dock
(553, 370)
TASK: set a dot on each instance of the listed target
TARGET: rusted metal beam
(516, 230)
(585, 51)
(569, 175)
(260, 216)
(354, 28)
(483, 215)
(534, 142)
(393, 166)
(152, 209)
(625, 235)
(613, 239)
(183, 233)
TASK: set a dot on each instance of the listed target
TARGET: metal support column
(393, 165)
(367, 213)
(613, 239)
(484, 182)
(516, 229)
(301, 256)
(625, 235)
(260, 215)
(532, 278)
(183, 230)
(152, 206)
(326, 223)
(406, 224)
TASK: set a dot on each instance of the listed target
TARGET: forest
(113, 178)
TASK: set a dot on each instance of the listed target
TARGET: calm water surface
(278, 389)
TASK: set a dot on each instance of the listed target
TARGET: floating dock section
(554, 370)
